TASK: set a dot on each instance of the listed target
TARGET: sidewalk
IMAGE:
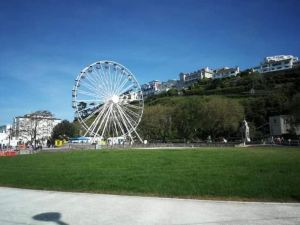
(19, 206)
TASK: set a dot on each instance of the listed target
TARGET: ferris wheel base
(118, 140)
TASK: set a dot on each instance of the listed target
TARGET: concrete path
(19, 206)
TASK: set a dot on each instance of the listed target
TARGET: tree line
(192, 119)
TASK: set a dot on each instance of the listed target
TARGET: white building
(187, 79)
(296, 64)
(167, 85)
(151, 88)
(130, 96)
(276, 63)
(225, 72)
(6, 136)
(280, 125)
(197, 75)
(38, 126)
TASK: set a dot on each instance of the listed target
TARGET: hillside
(245, 84)
(182, 115)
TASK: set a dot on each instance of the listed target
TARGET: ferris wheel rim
(133, 126)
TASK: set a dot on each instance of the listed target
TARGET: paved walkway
(19, 206)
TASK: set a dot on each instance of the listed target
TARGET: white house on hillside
(151, 88)
(276, 63)
(225, 72)
(187, 79)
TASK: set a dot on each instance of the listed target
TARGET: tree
(157, 123)
(172, 92)
(295, 109)
(220, 117)
(186, 118)
(65, 129)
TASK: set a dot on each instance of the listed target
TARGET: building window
(274, 120)
(276, 64)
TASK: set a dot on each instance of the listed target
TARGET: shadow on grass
(49, 217)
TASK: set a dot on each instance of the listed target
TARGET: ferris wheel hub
(115, 99)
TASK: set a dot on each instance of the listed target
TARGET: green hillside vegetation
(191, 118)
(217, 107)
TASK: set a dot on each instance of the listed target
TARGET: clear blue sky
(44, 44)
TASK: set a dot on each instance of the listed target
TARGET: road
(19, 207)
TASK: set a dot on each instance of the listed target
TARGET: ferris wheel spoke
(90, 79)
(136, 115)
(105, 118)
(88, 93)
(89, 100)
(96, 83)
(106, 122)
(119, 80)
(128, 88)
(114, 128)
(109, 83)
(100, 82)
(92, 127)
(89, 88)
(125, 123)
(133, 127)
(116, 78)
(87, 108)
(132, 110)
(110, 78)
(102, 79)
(129, 119)
(97, 95)
(96, 121)
(86, 82)
(89, 96)
(93, 113)
(133, 106)
(105, 78)
(121, 86)
(118, 122)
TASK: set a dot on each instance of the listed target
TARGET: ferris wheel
(108, 101)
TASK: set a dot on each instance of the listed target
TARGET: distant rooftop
(277, 58)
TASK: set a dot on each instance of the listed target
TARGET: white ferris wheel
(108, 101)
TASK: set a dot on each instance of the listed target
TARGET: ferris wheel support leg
(126, 118)
(137, 134)
(124, 122)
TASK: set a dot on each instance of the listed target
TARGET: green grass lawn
(264, 174)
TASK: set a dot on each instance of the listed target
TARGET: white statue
(246, 132)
